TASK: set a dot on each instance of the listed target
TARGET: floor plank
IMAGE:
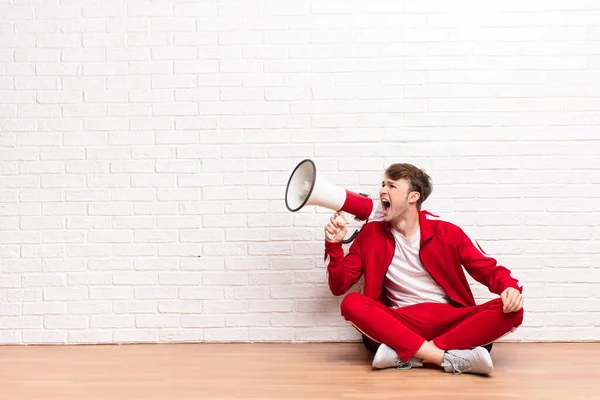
(286, 371)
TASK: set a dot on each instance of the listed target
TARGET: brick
(130, 138)
(203, 263)
(19, 237)
(156, 209)
(182, 222)
(89, 278)
(89, 251)
(110, 293)
(151, 293)
(182, 250)
(66, 294)
(244, 263)
(65, 322)
(104, 96)
(81, 25)
(208, 82)
(133, 222)
(224, 306)
(172, 24)
(110, 237)
(42, 250)
(202, 236)
(135, 306)
(177, 166)
(186, 123)
(10, 336)
(136, 336)
(39, 167)
(135, 278)
(200, 294)
(134, 250)
(90, 337)
(263, 306)
(225, 334)
(22, 266)
(83, 55)
(17, 125)
(29, 83)
(246, 293)
(247, 320)
(109, 321)
(212, 278)
(63, 265)
(156, 321)
(46, 308)
(203, 321)
(44, 337)
(179, 278)
(161, 264)
(155, 152)
(232, 249)
(180, 137)
(63, 237)
(38, 55)
(155, 122)
(180, 335)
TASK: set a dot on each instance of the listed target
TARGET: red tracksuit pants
(405, 329)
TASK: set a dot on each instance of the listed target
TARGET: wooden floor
(286, 371)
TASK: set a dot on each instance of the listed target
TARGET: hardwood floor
(286, 371)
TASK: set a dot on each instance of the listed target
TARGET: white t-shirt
(407, 282)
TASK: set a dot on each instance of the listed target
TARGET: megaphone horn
(306, 187)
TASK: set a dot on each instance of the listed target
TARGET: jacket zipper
(420, 259)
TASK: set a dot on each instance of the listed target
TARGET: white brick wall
(145, 145)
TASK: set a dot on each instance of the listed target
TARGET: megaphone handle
(342, 217)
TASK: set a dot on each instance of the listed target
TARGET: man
(417, 305)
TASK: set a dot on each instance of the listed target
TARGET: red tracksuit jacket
(444, 250)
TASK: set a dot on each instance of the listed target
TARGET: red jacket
(444, 250)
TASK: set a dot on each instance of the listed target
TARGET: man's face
(396, 198)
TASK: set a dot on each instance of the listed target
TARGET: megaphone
(306, 187)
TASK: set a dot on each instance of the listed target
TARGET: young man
(417, 305)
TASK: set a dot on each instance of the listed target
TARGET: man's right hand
(336, 228)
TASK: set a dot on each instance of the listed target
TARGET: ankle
(439, 355)
(430, 353)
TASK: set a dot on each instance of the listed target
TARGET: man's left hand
(512, 300)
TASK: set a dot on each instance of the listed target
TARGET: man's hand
(512, 300)
(336, 228)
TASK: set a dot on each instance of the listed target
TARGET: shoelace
(459, 364)
(403, 365)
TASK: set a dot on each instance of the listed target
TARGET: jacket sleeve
(343, 271)
(483, 268)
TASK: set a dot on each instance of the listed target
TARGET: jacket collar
(426, 231)
(424, 225)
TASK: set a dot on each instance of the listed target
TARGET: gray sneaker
(386, 357)
(476, 361)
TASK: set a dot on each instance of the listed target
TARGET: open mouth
(385, 205)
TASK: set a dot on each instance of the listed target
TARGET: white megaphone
(306, 187)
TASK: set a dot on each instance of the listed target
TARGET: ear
(413, 197)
